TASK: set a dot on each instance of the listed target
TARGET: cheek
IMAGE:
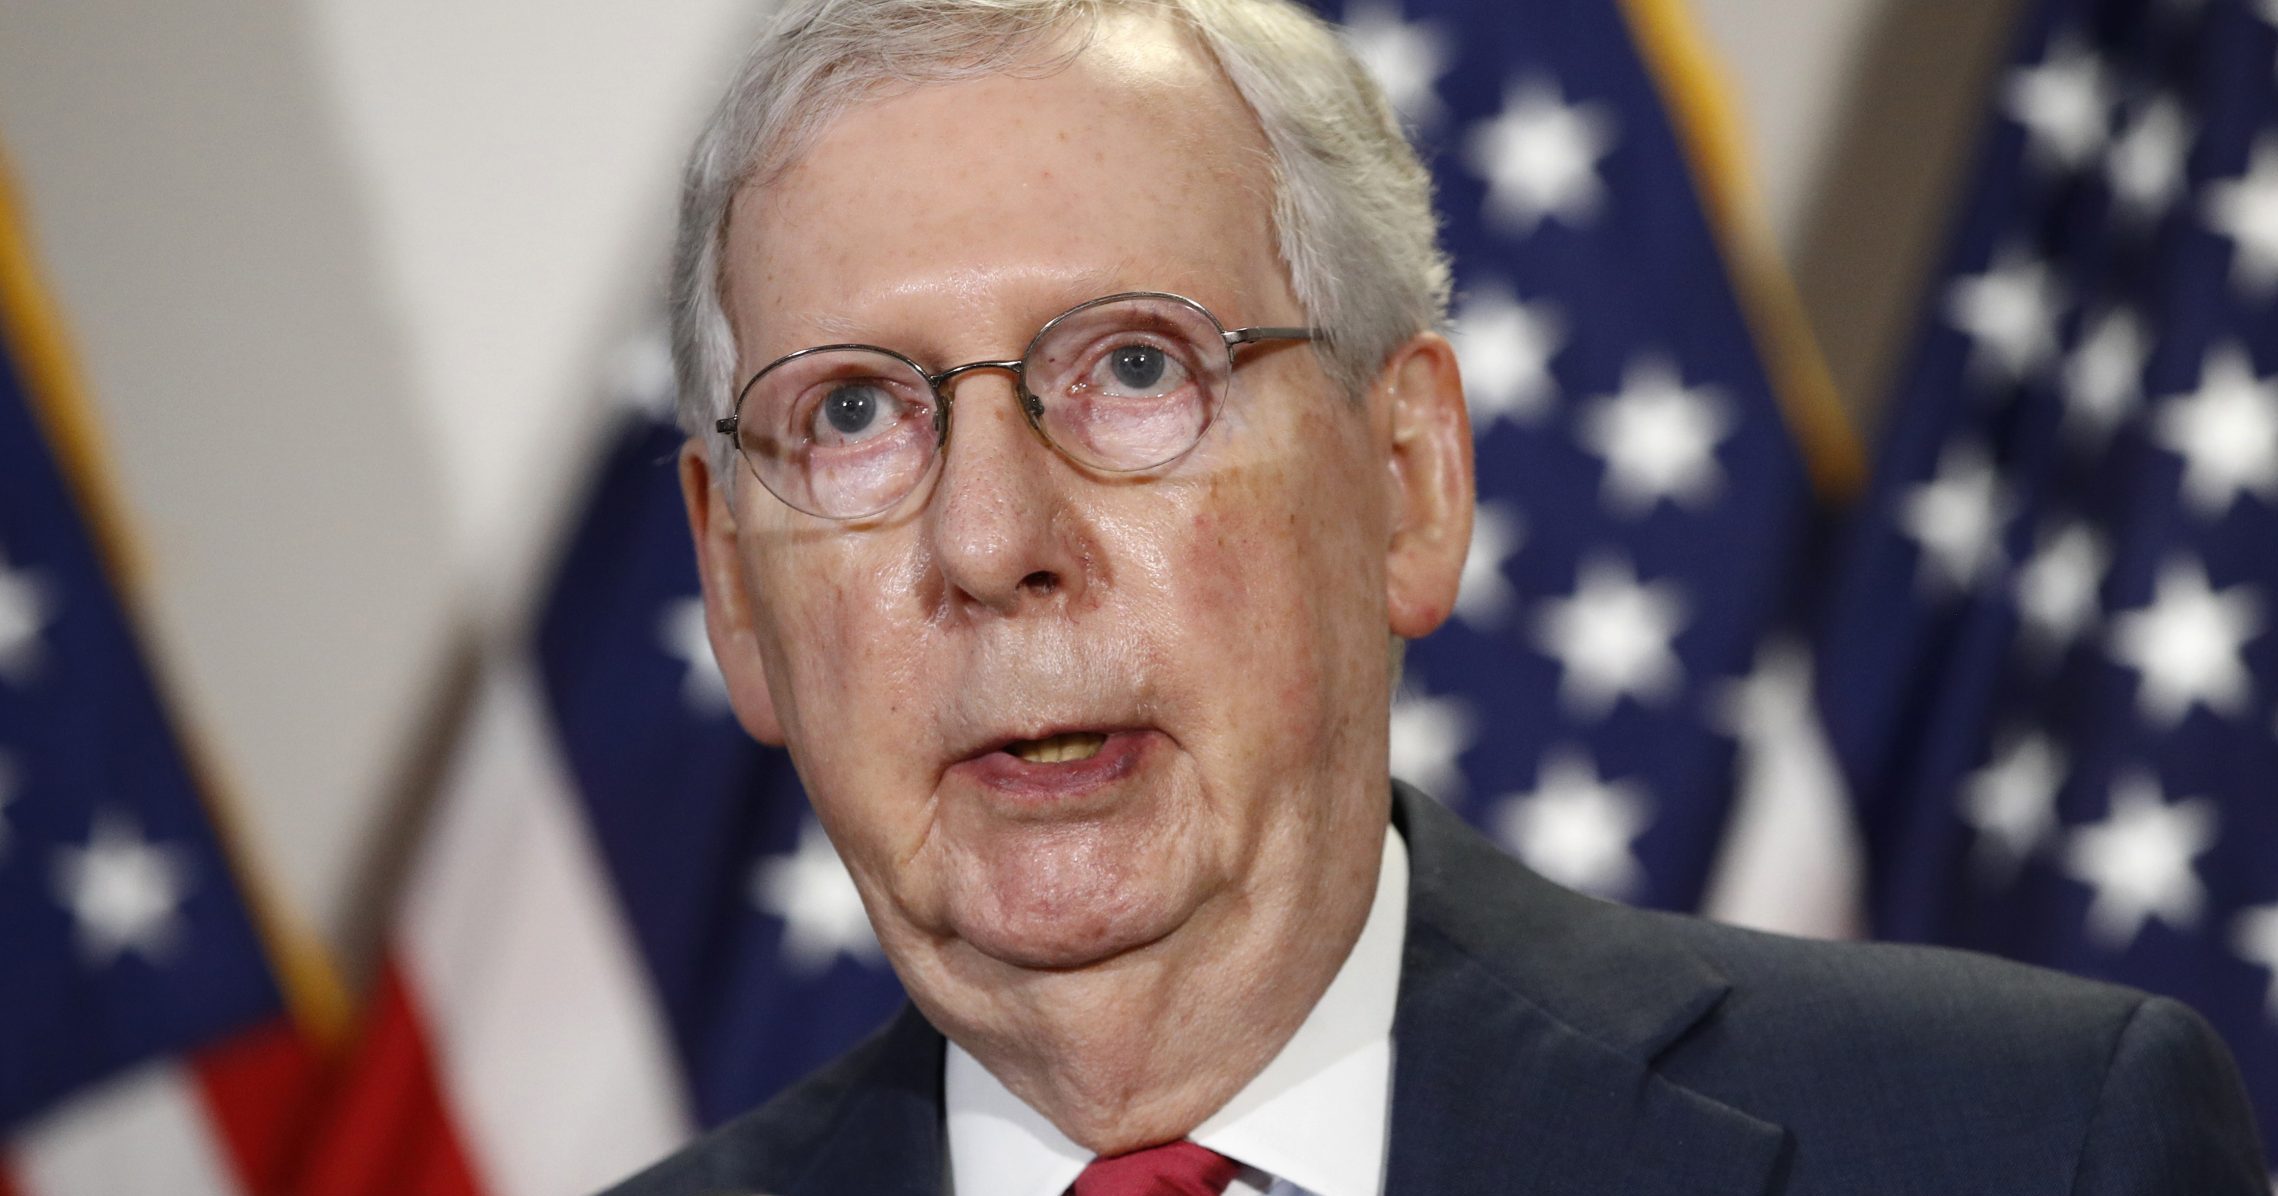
(846, 673)
(842, 661)
(1274, 565)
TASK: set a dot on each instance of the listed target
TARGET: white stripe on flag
(1791, 859)
(553, 1053)
(146, 1131)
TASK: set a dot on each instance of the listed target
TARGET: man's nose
(1002, 526)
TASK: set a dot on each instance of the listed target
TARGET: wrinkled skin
(1124, 953)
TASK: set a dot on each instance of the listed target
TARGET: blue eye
(1139, 367)
(1138, 370)
(850, 409)
(853, 411)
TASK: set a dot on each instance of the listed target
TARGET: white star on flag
(1657, 438)
(2254, 934)
(1957, 519)
(2145, 167)
(2057, 589)
(821, 910)
(124, 892)
(25, 609)
(2065, 104)
(2011, 312)
(1612, 638)
(1406, 59)
(2139, 861)
(1505, 348)
(2012, 804)
(1484, 596)
(681, 632)
(2226, 432)
(640, 375)
(1576, 828)
(1429, 736)
(2189, 645)
(2103, 380)
(2245, 209)
(1540, 158)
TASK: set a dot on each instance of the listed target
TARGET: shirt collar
(1315, 1117)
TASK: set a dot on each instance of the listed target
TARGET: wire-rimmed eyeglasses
(1121, 384)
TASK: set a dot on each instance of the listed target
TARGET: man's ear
(1430, 479)
(727, 600)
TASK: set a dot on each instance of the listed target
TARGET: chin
(1066, 894)
(1066, 943)
(1063, 910)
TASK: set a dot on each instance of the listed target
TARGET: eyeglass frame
(1032, 407)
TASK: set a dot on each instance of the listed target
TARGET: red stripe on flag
(389, 1130)
(7, 1186)
(257, 1087)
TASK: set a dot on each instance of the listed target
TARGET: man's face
(1209, 639)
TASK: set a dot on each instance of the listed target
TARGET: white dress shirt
(1313, 1123)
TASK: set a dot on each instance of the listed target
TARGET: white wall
(346, 279)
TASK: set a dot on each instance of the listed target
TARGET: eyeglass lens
(1122, 384)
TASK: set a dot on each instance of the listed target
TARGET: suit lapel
(1528, 1022)
(886, 1137)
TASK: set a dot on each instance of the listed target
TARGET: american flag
(145, 1042)
(625, 925)
(2051, 672)
(1646, 504)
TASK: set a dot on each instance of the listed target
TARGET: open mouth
(1058, 749)
(1049, 771)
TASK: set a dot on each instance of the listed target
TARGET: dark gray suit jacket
(1547, 1043)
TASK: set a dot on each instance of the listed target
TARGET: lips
(1057, 767)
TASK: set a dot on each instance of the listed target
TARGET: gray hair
(1352, 204)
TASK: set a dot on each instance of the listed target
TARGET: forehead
(1133, 166)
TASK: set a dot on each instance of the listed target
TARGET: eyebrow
(833, 327)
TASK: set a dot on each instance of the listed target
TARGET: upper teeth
(1059, 749)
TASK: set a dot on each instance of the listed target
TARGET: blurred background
(362, 303)
(352, 287)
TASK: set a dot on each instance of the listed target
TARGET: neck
(1141, 1049)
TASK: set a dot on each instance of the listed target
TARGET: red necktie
(1173, 1169)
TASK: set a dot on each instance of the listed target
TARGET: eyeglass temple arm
(1251, 336)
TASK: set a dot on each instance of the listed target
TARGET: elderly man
(1071, 453)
